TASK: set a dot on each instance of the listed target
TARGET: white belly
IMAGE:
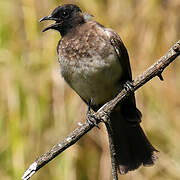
(95, 80)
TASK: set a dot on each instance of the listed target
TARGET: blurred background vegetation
(38, 109)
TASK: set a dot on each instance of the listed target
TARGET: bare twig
(102, 114)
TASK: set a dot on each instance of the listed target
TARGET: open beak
(52, 26)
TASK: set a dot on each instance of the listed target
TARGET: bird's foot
(91, 119)
(129, 86)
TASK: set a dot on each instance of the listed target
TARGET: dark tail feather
(129, 144)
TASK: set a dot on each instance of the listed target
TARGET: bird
(95, 63)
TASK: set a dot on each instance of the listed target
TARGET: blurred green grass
(37, 109)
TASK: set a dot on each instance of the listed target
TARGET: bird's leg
(90, 117)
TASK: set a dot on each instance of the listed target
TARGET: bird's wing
(121, 52)
(123, 57)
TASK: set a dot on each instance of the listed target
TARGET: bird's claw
(129, 86)
(91, 118)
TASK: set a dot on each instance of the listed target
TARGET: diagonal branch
(102, 114)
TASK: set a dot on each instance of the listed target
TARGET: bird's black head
(66, 17)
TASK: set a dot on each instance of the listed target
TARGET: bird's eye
(65, 14)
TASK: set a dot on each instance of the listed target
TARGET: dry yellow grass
(37, 109)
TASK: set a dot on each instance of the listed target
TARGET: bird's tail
(128, 144)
